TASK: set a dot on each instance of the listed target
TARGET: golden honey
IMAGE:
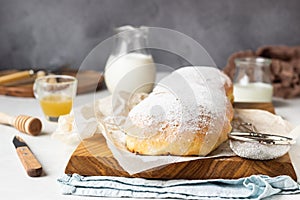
(56, 105)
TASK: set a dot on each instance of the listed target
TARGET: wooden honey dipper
(26, 124)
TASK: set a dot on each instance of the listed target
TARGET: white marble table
(54, 155)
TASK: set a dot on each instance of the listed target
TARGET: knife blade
(29, 161)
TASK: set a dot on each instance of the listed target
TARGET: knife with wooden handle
(29, 161)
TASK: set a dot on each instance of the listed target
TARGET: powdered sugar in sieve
(259, 146)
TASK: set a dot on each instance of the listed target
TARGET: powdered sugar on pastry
(189, 100)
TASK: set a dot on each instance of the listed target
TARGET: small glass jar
(252, 82)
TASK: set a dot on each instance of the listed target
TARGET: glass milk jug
(252, 82)
(130, 67)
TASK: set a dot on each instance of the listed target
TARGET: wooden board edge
(211, 169)
(268, 106)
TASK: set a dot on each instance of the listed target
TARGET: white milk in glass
(252, 82)
(132, 72)
(253, 92)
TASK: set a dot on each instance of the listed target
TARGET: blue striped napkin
(253, 187)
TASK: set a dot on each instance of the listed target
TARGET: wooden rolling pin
(15, 76)
(23, 123)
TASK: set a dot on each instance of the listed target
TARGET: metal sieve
(258, 146)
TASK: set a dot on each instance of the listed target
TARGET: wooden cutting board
(93, 158)
(88, 81)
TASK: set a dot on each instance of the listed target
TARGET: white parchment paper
(108, 120)
(97, 118)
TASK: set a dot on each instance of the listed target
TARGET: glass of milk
(130, 67)
(252, 82)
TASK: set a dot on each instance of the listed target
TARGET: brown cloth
(285, 67)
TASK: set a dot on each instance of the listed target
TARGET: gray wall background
(47, 33)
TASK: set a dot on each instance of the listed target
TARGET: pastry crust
(171, 121)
